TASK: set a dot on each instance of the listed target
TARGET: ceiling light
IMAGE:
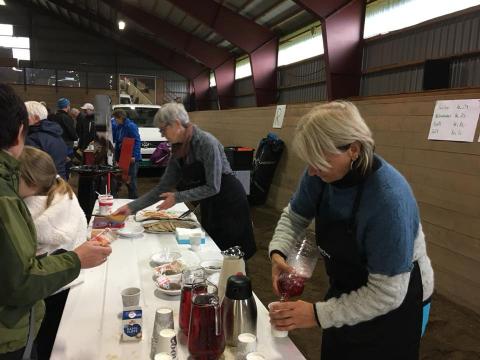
(2, 3)
(121, 24)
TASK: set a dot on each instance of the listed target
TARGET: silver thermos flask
(239, 310)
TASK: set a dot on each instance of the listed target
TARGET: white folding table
(90, 328)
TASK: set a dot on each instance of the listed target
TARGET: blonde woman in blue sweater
(367, 227)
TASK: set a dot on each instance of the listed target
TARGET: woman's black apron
(395, 335)
(226, 215)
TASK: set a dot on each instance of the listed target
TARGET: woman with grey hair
(368, 230)
(46, 135)
(198, 171)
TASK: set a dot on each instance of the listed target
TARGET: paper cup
(131, 296)
(162, 356)
(275, 332)
(195, 241)
(105, 203)
(163, 320)
(246, 343)
(255, 356)
(167, 343)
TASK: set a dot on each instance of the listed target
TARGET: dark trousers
(17, 355)
(48, 331)
(132, 186)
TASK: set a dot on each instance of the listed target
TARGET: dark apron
(226, 215)
(395, 335)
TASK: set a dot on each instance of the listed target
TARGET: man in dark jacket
(25, 279)
(67, 124)
(46, 135)
(86, 126)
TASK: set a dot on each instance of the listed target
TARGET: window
(242, 68)
(6, 29)
(212, 79)
(20, 45)
(307, 43)
(383, 16)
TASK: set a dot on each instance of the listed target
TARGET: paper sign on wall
(279, 115)
(455, 120)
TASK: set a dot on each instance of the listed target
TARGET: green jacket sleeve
(24, 278)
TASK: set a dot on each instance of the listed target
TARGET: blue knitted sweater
(387, 220)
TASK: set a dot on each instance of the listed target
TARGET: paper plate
(131, 231)
(212, 266)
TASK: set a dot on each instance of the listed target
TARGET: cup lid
(239, 287)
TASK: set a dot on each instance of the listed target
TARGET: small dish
(173, 290)
(173, 271)
(165, 257)
(131, 231)
(212, 266)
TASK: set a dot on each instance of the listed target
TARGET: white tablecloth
(91, 325)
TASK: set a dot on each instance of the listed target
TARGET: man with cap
(68, 126)
(86, 126)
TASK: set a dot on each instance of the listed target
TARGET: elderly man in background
(74, 112)
(46, 135)
(86, 126)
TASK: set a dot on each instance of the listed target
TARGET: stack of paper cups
(163, 320)
(247, 343)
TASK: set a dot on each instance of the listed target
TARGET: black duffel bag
(266, 160)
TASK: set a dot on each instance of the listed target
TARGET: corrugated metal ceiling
(280, 16)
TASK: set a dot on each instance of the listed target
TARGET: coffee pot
(233, 264)
(239, 310)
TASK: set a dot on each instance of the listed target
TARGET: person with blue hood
(123, 127)
(46, 135)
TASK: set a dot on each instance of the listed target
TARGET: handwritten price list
(455, 120)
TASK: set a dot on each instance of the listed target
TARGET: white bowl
(165, 257)
(131, 231)
(212, 266)
(169, 292)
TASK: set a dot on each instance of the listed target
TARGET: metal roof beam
(259, 42)
(204, 52)
(342, 30)
(170, 59)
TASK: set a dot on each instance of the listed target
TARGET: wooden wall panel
(445, 176)
(77, 96)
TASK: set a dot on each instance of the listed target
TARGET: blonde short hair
(38, 169)
(35, 108)
(327, 128)
(170, 112)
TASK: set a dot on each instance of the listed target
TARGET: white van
(125, 99)
(150, 136)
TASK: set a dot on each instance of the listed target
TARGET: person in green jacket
(26, 279)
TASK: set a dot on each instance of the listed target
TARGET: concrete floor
(453, 332)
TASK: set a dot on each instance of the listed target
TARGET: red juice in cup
(290, 285)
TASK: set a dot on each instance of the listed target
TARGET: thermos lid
(239, 287)
(234, 252)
